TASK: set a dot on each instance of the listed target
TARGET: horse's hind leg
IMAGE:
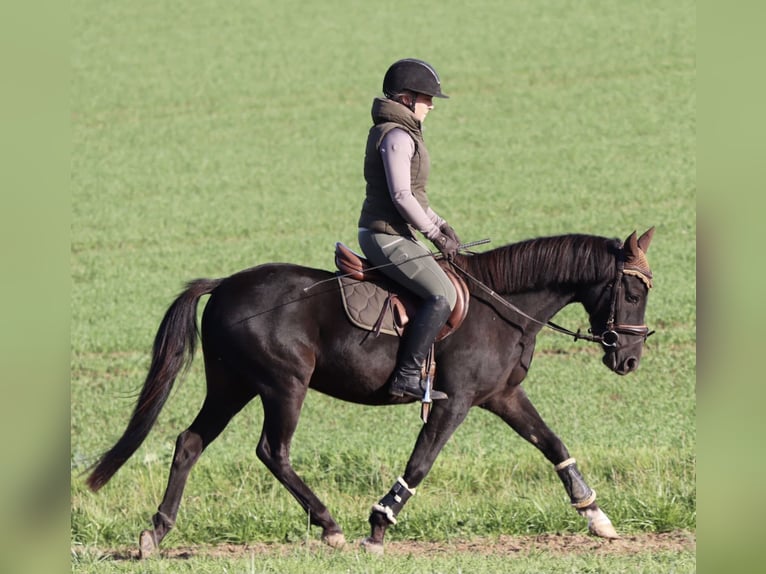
(515, 409)
(280, 420)
(215, 414)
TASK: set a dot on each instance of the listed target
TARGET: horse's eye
(632, 299)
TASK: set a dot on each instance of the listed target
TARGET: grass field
(212, 136)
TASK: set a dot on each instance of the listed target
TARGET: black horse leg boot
(416, 342)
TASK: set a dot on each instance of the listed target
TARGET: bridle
(610, 337)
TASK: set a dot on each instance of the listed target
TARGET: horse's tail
(173, 351)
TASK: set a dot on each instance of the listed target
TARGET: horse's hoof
(601, 526)
(334, 540)
(146, 545)
(372, 547)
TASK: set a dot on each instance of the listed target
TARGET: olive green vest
(378, 210)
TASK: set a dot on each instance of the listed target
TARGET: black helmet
(413, 75)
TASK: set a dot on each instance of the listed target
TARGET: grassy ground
(213, 136)
(527, 555)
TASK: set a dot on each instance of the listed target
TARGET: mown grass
(211, 137)
(309, 561)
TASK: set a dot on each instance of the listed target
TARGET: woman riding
(396, 168)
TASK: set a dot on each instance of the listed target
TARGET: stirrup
(399, 389)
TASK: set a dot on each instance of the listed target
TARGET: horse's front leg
(515, 409)
(433, 436)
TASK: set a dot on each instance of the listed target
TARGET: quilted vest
(378, 210)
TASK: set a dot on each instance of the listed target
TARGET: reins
(608, 338)
(505, 303)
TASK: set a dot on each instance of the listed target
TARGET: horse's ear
(634, 251)
(645, 239)
(631, 244)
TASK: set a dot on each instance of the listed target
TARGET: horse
(268, 331)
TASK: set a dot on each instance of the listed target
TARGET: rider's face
(423, 105)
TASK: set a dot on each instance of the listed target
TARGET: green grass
(309, 561)
(212, 136)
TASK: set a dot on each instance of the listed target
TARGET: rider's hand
(447, 245)
(447, 230)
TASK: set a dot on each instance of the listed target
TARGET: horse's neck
(542, 276)
(542, 304)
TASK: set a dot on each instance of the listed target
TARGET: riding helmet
(412, 75)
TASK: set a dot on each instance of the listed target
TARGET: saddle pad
(364, 301)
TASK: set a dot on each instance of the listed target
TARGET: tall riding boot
(418, 338)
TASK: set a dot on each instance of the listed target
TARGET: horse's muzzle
(622, 345)
(619, 364)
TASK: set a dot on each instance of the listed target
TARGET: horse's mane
(544, 261)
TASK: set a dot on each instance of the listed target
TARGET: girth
(376, 303)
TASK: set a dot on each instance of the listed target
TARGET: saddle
(375, 303)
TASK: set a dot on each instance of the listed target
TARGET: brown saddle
(376, 303)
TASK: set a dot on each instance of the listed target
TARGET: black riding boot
(418, 338)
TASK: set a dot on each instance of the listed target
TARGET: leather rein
(611, 335)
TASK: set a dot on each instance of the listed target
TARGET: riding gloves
(447, 230)
(446, 245)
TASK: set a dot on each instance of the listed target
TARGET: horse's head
(617, 316)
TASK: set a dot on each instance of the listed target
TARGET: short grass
(309, 561)
(212, 136)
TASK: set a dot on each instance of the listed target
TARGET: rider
(396, 168)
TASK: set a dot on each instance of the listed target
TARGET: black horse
(266, 332)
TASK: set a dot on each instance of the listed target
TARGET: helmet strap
(413, 98)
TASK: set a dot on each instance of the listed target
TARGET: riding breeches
(408, 262)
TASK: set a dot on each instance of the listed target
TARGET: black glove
(447, 245)
(447, 230)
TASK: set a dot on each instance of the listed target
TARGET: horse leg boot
(384, 514)
(417, 340)
(583, 499)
